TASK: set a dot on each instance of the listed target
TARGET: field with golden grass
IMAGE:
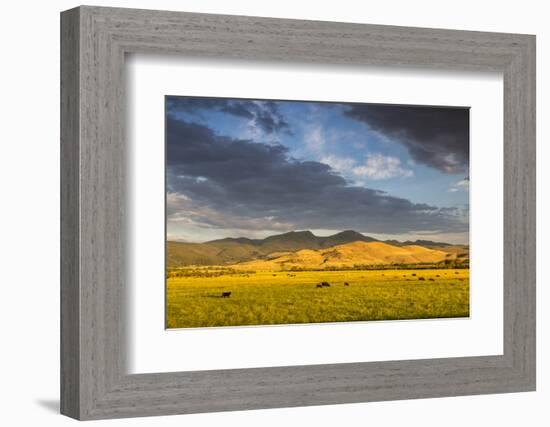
(286, 297)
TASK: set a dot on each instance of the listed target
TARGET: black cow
(226, 294)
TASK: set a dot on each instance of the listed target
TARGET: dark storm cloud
(260, 182)
(435, 136)
(264, 114)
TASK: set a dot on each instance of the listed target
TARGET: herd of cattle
(328, 285)
(318, 285)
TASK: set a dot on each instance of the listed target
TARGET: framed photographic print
(272, 206)
(262, 213)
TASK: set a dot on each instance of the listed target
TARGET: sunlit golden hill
(346, 255)
(303, 247)
(234, 250)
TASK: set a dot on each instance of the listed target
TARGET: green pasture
(266, 298)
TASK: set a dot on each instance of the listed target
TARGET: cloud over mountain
(227, 182)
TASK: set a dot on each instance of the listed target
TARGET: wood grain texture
(70, 291)
(95, 383)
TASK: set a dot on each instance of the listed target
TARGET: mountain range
(346, 256)
(303, 249)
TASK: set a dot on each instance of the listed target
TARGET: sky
(254, 168)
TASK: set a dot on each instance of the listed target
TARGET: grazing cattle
(421, 278)
(346, 284)
(325, 284)
(226, 294)
(319, 285)
(431, 280)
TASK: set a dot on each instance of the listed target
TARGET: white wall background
(29, 224)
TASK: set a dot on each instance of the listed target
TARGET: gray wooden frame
(94, 382)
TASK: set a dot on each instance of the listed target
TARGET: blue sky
(405, 163)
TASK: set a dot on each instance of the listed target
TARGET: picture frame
(94, 380)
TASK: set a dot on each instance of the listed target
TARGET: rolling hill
(307, 245)
(346, 255)
(296, 240)
(234, 250)
(180, 254)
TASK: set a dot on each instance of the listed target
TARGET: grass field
(264, 298)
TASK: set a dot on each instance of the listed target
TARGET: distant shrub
(206, 272)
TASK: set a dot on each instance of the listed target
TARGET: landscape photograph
(283, 212)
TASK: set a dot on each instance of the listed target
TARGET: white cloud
(321, 142)
(314, 139)
(182, 210)
(463, 185)
(339, 164)
(378, 166)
